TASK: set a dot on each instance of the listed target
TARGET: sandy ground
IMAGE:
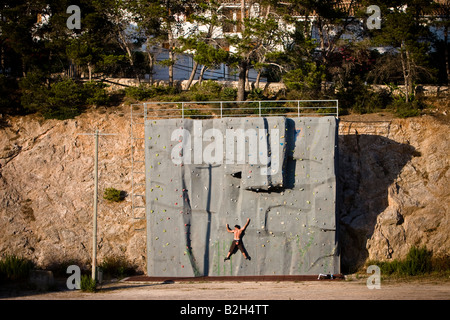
(306, 290)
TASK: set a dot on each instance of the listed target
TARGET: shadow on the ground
(23, 289)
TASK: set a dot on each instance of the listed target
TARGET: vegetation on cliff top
(44, 65)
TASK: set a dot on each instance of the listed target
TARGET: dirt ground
(354, 289)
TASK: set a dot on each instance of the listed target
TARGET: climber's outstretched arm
(246, 225)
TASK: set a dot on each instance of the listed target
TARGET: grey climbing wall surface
(279, 172)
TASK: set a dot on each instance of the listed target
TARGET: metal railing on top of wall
(221, 109)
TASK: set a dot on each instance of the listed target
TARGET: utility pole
(94, 228)
(94, 222)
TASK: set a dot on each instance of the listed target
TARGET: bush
(360, 98)
(228, 94)
(14, 268)
(116, 267)
(112, 194)
(369, 101)
(9, 96)
(142, 92)
(34, 92)
(208, 90)
(146, 92)
(87, 284)
(305, 80)
(96, 94)
(196, 113)
(441, 263)
(388, 268)
(59, 266)
(257, 95)
(62, 99)
(407, 109)
(418, 261)
(66, 100)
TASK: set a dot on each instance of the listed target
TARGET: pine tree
(405, 29)
(146, 14)
(258, 37)
(168, 12)
(21, 48)
(207, 51)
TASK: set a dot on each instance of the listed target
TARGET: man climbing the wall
(237, 241)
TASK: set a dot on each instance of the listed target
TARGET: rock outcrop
(46, 178)
(393, 180)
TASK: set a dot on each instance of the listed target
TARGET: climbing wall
(279, 172)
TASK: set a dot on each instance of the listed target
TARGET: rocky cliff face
(393, 185)
(393, 180)
(46, 178)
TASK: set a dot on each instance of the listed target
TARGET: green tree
(34, 91)
(62, 99)
(82, 52)
(98, 42)
(9, 96)
(20, 48)
(146, 14)
(442, 22)
(258, 36)
(206, 51)
(302, 72)
(325, 23)
(306, 79)
(160, 20)
(405, 29)
(52, 31)
(127, 37)
(209, 56)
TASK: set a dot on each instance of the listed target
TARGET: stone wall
(273, 87)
